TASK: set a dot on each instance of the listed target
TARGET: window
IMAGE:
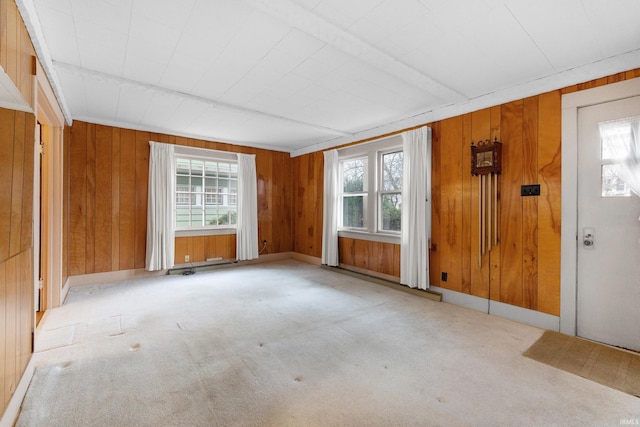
(206, 193)
(615, 137)
(390, 203)
(354, 192)
(370, 198)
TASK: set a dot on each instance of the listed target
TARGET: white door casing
(608, 241)
(570, 105)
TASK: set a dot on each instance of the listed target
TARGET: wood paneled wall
(201, 248)
(108, 178)
(16, 248)
(16, 51)
(524, 269)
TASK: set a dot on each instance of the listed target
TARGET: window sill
(373, 237)
(205, 232)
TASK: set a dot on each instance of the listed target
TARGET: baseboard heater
(194, 267)
(429, 294)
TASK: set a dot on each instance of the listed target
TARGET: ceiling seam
(338, 38)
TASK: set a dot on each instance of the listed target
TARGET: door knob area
(587, 237)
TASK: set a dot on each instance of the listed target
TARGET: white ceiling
(303, 75)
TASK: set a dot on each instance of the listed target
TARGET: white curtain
(416, 208)
(330, 209)
(621, 142)
(160, 214)
(247, 231)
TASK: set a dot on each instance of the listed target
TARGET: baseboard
(11, 412)
(500, 309)
(393, 284)
(462, 299)
(112, 276)
(371, 273)
(306, 258)
(268, 258)
(526, 316)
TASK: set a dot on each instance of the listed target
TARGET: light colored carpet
(289, 344)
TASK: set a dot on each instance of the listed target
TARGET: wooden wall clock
(486, 158)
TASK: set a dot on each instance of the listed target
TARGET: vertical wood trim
(127, 198)
(480, 131)
(11, 314)
(7, 129)
(495, 256)
(115, 199)
(451, 203)
(104, 174)
(17, 184)
(78, 199)
(549, 176)
(436, 200)
(90, 244)
(141, 187)
(28, 177)
(511, 291)
(3, 327)
(530, 205)
(467, 207)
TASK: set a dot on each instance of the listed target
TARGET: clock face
(484, 159)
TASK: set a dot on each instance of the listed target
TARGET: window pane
(211, 217)
(196, 185)
(196, 217)
(183, 166)
(183, 217)
(391, 207)
(353, 175)
(211, 185)
(353, 211)
(211, 169)
(392, 171)
(197, 167)
(616, 139)
(612, 186)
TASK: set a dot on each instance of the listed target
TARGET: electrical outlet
(187, 258)
(444, 276)
(264, 243)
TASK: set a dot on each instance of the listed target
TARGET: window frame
(373, 152)
(204, 155)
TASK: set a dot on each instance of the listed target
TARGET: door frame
(571, 103)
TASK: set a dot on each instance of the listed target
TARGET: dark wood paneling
(530, 205)
(103, 199)
(127, 198)
(109, 169)
(480, 131)
(7, 129)
(17, 131)
(90, 243)
(511, 289)
(549, 202)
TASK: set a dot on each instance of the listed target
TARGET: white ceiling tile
(171, 14)
(183, 72)
(299, 45)
(107, 93)
(97, 57)
(132, 104)
(369, 64)
(100, 12)
(143, 70)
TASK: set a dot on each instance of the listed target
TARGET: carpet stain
(261, 344)
(134, 347)
(298, 379)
